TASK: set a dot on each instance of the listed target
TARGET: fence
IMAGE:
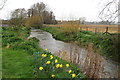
(101, 29)
(93, 28)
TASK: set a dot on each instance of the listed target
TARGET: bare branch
(107, 13)
(3, 4)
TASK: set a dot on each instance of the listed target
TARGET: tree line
(36, 16)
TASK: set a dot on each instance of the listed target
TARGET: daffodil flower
(44, 55)
(67, 65)
(58, 65)
(56, 61)
(73, 75)
(51, 56)
(45, 49)
(48, 62)
(53, 75)
(41, 68)
(69, 71)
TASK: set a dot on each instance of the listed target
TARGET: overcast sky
(62, 9)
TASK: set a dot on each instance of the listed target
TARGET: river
(92, 64)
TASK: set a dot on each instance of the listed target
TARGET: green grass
(107, 44)
(17, 64)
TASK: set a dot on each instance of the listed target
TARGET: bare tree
(2, 3)
(110, 11)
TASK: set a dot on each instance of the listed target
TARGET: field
(93, 28)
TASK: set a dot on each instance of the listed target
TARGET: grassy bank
(107, 44)
(23, 58)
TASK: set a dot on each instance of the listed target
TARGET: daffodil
(45, 49)
(41, 68)
(67, 65)
(69, 71)
(51, 56)
(58, 65)
(56, 61)
(73, 75)
(53, 75)
(48, 62)
(44, 55)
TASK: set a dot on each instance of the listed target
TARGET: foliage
(42, 10)
(23, 58)
(47, 64)
(34, 21)
(18, 17)
(107, 43)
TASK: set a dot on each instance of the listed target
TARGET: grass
(17, 64)
(22, 57)
(107, 44)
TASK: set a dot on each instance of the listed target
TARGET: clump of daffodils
(41, 68)
(44, 55)
(48, 62)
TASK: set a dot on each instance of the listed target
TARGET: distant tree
(40, 9)
(18, 17)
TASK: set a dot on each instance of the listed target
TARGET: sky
(62, 9)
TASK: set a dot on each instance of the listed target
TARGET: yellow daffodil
(53, 75)
(51, 56)
(58, 65)
(69, 71)
(67, 65)
(45, 49)
(73, 75)
(48, 62)
(44, 55)
(56, 61)
(41, 68)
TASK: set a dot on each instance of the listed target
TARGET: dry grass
(94, 28)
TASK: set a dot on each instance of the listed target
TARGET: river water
(66, 51)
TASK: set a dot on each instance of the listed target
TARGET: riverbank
(23, 58)
(106, 44)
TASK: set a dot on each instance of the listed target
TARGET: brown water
(66, 51)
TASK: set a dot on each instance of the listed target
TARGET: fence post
(95, 30)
